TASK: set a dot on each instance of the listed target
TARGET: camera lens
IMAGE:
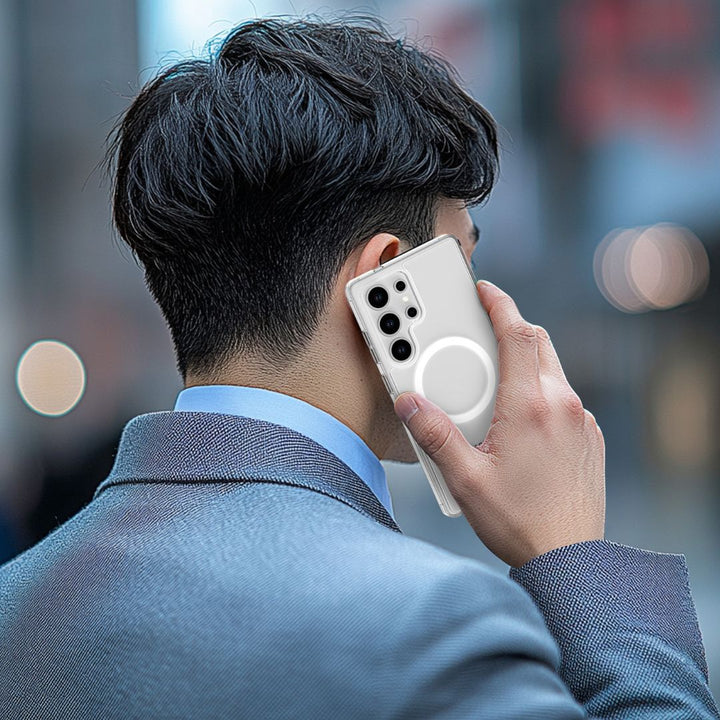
(389, 323)
(377, 297)
(412, 312)
(399, 285)
(401, 350)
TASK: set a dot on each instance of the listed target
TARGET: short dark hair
(243, 181)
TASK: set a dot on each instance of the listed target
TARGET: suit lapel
(197, 447)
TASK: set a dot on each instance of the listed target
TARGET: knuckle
(573, 404)
(591, 423)
(541, 333)
(538, 409)
(522, 332)
(437, 434)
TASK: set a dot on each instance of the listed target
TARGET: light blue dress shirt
(297, 415)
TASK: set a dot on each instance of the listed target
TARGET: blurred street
(604, 227)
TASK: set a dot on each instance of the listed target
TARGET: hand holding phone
(537, 482)
(428, 332)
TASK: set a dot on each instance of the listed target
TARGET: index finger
(517, 340)
(503, 311)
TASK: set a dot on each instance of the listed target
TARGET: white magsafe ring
(434, 352)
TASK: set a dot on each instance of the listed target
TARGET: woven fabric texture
(231, 567)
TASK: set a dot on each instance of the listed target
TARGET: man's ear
(379, 249)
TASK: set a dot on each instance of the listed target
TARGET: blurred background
(604, 226)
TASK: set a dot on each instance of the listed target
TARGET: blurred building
(604, 226)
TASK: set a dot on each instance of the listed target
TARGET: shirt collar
(298, 415)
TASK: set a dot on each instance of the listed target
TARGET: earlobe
(379, 249)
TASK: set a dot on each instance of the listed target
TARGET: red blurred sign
(636, 62)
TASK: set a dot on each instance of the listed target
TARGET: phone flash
(405, 298)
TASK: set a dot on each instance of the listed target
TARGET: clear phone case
(444, 347)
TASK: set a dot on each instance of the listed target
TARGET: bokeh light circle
(651, 268)
(50, 378)
(609, 266)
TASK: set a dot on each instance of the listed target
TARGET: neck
(324, 387)
(335, 374)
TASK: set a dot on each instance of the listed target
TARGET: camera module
(378, 297)
(401, 350)
(389, 323)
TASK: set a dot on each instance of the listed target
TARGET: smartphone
(428, 332)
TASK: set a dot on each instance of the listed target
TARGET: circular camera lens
(389, 323)
(399, 285)
(378, 297)
(412, 312)
(401, 350)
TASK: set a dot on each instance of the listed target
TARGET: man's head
(245, 182)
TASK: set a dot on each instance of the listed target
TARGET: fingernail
(406, 407)
(487, 288)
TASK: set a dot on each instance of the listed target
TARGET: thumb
(435, 433)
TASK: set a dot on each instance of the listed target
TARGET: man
(242, 559)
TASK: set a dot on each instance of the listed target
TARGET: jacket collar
(203, 447)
